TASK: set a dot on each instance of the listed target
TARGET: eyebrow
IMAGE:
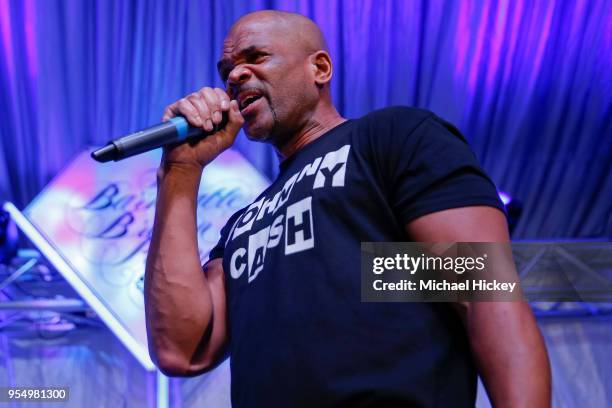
(225, 64)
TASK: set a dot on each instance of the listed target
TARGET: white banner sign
(98, 218)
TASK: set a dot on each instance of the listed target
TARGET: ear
(322, 68)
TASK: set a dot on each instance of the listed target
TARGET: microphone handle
(173, 131)
(176, 130)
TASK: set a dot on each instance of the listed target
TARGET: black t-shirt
(299, 334)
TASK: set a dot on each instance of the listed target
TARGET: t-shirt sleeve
(219, 248)
(431, 167)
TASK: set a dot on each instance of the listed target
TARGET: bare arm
(185, 307)
(505, 339)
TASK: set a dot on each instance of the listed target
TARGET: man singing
(281, 291)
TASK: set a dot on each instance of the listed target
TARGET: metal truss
(566, 279)
(34, 297)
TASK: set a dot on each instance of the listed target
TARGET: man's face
(268, 73)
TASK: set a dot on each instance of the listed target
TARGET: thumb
(235, 119)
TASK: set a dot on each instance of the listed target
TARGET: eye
(250, 56)
(258, 57)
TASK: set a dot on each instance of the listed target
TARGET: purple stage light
(504, 197)
(514, 209)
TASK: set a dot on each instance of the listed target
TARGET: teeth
(249, 100)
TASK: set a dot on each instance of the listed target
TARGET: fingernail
(224, 105)
(209, 125)
(217, 116)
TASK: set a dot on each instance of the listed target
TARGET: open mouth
(249, 97)
(249, 100)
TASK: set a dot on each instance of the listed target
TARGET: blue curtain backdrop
(529, 84)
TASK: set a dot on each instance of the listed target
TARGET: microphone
(176, 130)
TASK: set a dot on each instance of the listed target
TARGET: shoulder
(401, 125)
(398, 112)
(403, 117)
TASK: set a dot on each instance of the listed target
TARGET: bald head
(296, 28)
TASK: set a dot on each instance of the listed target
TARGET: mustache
(235, 91)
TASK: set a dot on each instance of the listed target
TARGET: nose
(239, 75)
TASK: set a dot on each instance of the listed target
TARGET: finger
(224, 98)
(167, 115)
(203, 111)
(214, 104)
(235, 121)
(188, 110)
(172, 111)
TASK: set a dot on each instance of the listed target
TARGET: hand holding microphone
(208, 113)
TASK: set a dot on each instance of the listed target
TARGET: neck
(324, 118)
